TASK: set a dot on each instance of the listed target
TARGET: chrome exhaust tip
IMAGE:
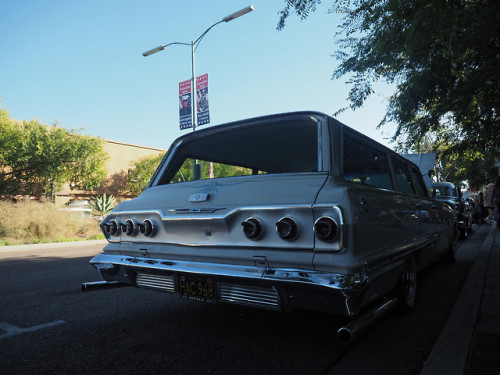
(94, 285)
(355, 328)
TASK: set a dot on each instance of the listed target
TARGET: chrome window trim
(320, 144)
(157, 176)
(165, 162)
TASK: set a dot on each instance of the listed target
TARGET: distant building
(121, 156)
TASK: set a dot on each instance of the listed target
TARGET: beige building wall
(121, 156)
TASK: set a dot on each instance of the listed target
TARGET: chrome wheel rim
(409, 282)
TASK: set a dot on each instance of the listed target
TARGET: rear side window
(365, 165)
(419, 186)
(402, 177)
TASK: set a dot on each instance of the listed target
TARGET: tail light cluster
(287, 228)
(130, 227)
(252, 228)
(325, 228)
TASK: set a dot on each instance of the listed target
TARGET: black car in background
(448, 193)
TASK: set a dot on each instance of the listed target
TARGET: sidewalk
(50, 245)
(469, 343)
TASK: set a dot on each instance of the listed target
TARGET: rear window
(286, 147)
(445, 191)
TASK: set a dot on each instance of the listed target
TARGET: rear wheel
(469, 226)
(406, 290)
(451, 254)
(464, 234)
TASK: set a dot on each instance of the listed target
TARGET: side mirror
(433, 192)
(431, 173)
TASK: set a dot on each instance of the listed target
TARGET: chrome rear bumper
(259, 285)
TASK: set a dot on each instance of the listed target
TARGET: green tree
(443, 57)
(141, 172)
(473, 166)
(36, 159)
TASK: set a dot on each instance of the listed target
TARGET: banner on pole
(202, 99)
(211, 170)
(185, 116)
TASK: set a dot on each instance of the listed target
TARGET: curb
(51, 245)
(451, 350)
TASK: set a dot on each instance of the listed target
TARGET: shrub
(33, 222)
(102, 204)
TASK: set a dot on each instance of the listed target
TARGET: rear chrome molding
(396, 256)
(185, 212)
(329, 280)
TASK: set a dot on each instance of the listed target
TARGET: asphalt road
(48, 326)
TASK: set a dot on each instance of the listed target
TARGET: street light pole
(193, 91)
(193, 45)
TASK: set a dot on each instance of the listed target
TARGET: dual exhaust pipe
(94, 285)
(345, 334)
(362, 323)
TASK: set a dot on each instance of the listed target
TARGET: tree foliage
(141, 172)
(473, 166)
(37, 160)
(442, 55)
(220, 170)
(143, 169)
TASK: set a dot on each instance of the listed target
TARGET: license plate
(196, 287)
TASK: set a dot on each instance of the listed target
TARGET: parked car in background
(78, 207)
(289, 211)
(447, 192)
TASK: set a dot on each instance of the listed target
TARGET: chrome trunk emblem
(201, 197)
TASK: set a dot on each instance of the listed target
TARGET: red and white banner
(202, 99)
(211, 170)
(185, 115)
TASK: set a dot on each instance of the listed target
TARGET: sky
(79, 64)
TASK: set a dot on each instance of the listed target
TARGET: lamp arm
(197, 41)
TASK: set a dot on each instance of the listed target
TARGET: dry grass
(34, 222)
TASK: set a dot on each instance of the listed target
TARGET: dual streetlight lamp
(194, 44)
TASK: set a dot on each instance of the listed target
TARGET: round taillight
(129, 228)
(114, 228)
(325, 228)
(252, 228)
(147, 228)
(106, 227)
(287, 228)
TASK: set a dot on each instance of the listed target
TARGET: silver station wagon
(288, 211)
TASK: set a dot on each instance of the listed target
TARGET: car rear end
(230, 216)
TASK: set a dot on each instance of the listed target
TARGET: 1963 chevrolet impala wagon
(289, 211)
